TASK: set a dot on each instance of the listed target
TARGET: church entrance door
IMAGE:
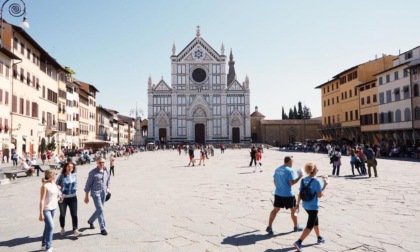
(162, 135)
(199, 133)
(235, 135)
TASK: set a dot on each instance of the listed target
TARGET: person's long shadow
(25, 240)
(249, 238)
(357, 177)
(292, 248)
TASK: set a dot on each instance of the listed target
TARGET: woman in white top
(47, 207)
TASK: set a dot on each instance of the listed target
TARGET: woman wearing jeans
(312, 206)
(68, 183)
(47, 206)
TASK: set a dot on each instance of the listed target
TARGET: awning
(7, 145)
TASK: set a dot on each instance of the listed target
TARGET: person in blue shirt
(284, 178)
(68, 183)
(97, 184)
(312, 206)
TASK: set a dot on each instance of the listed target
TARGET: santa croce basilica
(202, 104)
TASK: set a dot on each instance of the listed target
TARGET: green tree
(295, 114)
(306, 113)
(291, 115)
(51, 146)
(300, 111)
(283, 115)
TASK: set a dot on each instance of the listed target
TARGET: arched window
(416, 90)
(382, 117)
(417, 114)
(390, 117)
(398, 115)
(407, 114)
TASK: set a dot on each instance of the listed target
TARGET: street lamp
(16, 10)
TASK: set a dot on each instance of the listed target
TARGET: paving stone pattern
(160, 204)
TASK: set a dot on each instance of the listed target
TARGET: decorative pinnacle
(198, 31)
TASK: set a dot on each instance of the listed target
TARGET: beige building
(369, 109)
(6, 61)
(415, 86)
(340, 99)
(34, 92)
(89, 110)
(104, 124)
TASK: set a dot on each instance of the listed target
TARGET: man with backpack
(284, 178)
(309, 192)
(371, 160)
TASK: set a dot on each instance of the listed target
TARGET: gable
(198, 42)
(199, 99)
(162, 86)
(235, 86)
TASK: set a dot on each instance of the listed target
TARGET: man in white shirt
(25, 166)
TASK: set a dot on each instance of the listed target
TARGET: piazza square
(159, 203)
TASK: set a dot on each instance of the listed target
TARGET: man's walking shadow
(249, 238)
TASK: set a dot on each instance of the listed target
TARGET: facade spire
(246, 83)
(222, 49)
(198, 31)
(149, 82)
(231, 74)
(173, 49)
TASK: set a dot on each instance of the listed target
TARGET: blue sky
(285, 47)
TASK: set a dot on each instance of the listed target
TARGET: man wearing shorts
(284, 178)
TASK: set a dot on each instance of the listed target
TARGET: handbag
(108, 196)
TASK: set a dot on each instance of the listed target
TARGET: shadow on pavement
(25, 240)
(290, 248)
(356, 177)
(247, 172)
(249, 238)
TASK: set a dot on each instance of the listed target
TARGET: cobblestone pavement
(160, 204)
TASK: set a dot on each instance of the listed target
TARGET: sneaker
(298, 246)
(91, 226)
(43, 247)
(104, 232)
(320, 240)
(76, 233)
(269, 230)
(298, 228)
(50, 249)
(62, 231)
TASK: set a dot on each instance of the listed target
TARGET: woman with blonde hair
(47, 207)
(311, 206)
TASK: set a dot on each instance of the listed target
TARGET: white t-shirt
(25, 166)
(51, 197)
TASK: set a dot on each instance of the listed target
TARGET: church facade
(202, 103)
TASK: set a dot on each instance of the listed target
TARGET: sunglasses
(101, 162)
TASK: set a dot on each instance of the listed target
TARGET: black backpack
(334, 158)
(305, 191)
